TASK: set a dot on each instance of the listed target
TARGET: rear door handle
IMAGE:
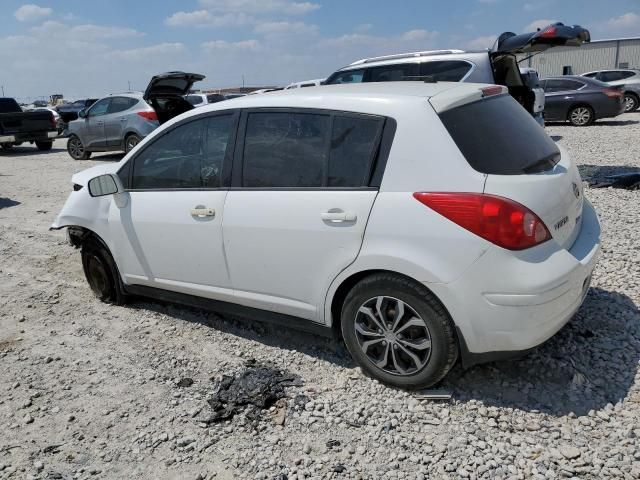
(338, 216)
(203, 212)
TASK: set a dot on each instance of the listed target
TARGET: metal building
(597, 55)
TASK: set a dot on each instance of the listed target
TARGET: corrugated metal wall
(592, 56)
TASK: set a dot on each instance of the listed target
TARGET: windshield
(497, 136)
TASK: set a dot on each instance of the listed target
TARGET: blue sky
(90, 48)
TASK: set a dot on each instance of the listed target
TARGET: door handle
(568, 97)
(203, 212)
(338, 216)
(123, 119)
(99, 123)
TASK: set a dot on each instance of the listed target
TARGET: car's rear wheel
(101, 273)
(581, 116)
(131, 142)
(631, 102)
(398, 332)
(44, 146)
(76, 149)
(6, 146)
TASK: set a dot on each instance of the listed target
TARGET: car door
(94, 124)
(169, 234)
(299, 205)
(116, 119)
(560, 95)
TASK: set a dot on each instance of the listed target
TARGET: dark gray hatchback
(580, 100)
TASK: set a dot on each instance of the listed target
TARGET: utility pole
(243, 82)
(3, 90)
(129, 82)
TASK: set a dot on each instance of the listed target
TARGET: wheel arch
(581, 104)
(339, 295)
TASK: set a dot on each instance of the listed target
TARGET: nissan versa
(382, 211)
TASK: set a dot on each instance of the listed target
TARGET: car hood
(83, 177)
(171, 84)
(555, 35)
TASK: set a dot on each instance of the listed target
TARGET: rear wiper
(542, 165)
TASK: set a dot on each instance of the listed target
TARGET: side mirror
(108, 184)
(82, 113)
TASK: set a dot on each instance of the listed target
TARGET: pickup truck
(17, 127)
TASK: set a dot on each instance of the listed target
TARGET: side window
(562, 85)
(447, 71)
(120, 104)
(172, 161)
(353, 144)
(350, 76)
(393, 73)
(591, 75)
(216, 144)
(100, 107)
(285, 149)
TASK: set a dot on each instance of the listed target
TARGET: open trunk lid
(165, 93)
(521, 162)
(555, 35)
(171, 84)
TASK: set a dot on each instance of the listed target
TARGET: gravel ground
(93, 391)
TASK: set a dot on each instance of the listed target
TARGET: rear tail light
(613, 92)
(548, 32)
(54, 124)
(492, 90)
(153, 116)
(499, 220)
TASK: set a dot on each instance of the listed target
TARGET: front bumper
(510, 302)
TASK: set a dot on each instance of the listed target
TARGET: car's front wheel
(581, 116)
(76, 148)
(631, 102)
(101, 273)
(398, 332)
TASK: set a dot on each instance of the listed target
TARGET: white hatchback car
(420, 221)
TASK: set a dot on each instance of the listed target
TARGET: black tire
(581, 116)
(631, 101)
(6, 146)
(439, 328)
(130, 142)
(44, 146)
(76, 149)
(101, 273)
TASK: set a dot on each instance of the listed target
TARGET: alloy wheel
(393, 336)
(629, 103)
(132, 142)
(580, 116)
(76, 149)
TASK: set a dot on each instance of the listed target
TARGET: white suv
(386, 213)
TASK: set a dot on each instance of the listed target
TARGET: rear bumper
(28, 137)
(510, 302)
(610, 109)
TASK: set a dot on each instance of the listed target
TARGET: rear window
(9, 105)
(498, 137)
(194, 99)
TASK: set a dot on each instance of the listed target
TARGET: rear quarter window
(498, 137)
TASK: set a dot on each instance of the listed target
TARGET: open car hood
(555, 35)
(171, 84)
